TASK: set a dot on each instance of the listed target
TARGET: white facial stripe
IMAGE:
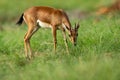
(43, 24)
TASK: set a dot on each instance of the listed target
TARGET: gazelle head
(74, 34)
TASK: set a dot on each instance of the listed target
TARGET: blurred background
(11, 10)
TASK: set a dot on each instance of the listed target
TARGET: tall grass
(96, 56)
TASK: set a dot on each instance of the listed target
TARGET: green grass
(96, 56)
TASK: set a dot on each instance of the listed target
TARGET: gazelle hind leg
(29, 46)
(28, 50)
(25, 46)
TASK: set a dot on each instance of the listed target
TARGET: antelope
(47, 17)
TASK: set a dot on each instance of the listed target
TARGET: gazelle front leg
(65, 40)
(54, 30)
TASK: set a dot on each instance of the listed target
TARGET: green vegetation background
(96, 56)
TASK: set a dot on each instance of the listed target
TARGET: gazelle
(41, 17)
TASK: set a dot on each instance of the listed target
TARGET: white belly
(43, 24)
(46, 25)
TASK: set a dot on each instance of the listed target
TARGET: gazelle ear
(77, 26)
